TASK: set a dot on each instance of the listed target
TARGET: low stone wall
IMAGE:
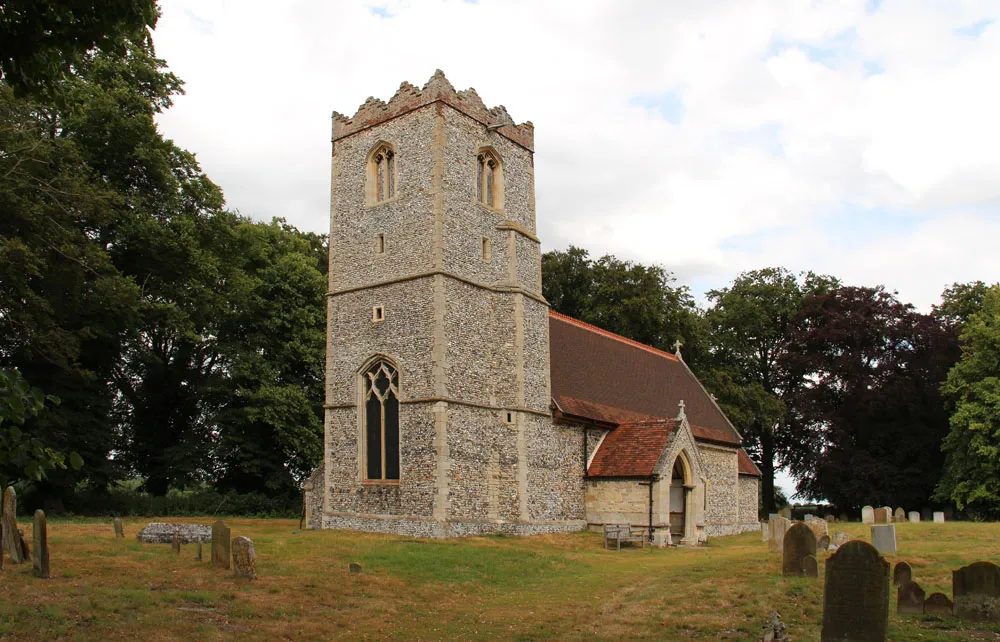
(419, 527)
(721, 530)
(163, 533)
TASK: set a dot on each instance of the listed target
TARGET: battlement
(409, 97)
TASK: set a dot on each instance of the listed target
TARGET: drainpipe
(652, 480)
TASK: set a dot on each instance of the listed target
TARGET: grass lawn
(561, 587)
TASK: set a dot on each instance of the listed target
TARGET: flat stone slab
(163, 533)
(884, 537)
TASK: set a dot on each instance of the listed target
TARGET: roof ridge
(611, 335)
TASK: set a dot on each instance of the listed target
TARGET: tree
(866, 415)
(960, 301)
(750, 324)
(971, 477)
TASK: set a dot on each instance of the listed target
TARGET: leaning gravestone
(867, 515)
(899, 515)
(244, 558)
(901, 573)
(840, 538)
(856, 595)
(914, 517)
(910, 599)
(884, 537)
(823, 543)
(975, 590)
(119, 529)
(882, 515)
(220, 544)
(938, 604)
(938, 517)
(777, 527)
(11, 538)
(799, 543)
(40, 533)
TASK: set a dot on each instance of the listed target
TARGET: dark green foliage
(972, 472)
(960, 301)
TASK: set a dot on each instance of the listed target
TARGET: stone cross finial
(680, 410)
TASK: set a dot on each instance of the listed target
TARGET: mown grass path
(562, 587)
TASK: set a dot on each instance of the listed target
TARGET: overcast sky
(855, 138)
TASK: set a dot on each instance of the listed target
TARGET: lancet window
(488, 178)
(381, 174)
(380, 394)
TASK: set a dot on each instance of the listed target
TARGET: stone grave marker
(220, 544)
(829, 519)
(914, 517)
(354, 567)
(808, 517)
(884, 537)
(786, 513)
(856, 595)
(888, 514)
(975, 590)
(899, 515)
(163, 533)
(25, 549)
(844, 518)
(938, 604)
(910, 599)
(882, 516)
(810, 566)
(777, 527)
(799, 543)
(823, 543)
(771, 516)
(901, 573)
(40, 533)
(11, 538)
(938, 517)
(244, 558)
(175, 543)
(840, 538)
(197, 555)
(819, 528)
(763, 531)
(119, 528)
(867, 515)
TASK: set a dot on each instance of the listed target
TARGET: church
(457, 403)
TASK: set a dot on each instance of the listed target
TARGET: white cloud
(784, 124)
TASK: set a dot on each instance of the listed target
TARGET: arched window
(380, 393)
(381, 174)
(489, 179)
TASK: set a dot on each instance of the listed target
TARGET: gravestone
(914, 517)
(910, 599)
(884, 537)
(808, 517)
(799, 543)
(901, 573)
(786, 513)
(856, 595)
(763, 531)
(244, 558)
(810, 566)
(771, 516)
(175, 543)
(938, 604)
(40, 533)
(888, 514)
(975, 590)
(840, 538)
(197, 555)
(819, 528)
(777, 527)
(25, 549)
(899, 515)
(829, 519)
(220, 544)
(119, 529)
(938, 517)
(867, 515)
(882, 515)
(11, 538)
(354, 567)
(823, 544)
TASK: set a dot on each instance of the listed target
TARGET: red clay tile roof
(632, 449)
(605, 377)
(747, 467)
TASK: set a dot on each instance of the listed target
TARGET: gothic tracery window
(380, 394)
(382, 174)
(488, 178)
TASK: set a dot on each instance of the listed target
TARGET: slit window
(378, 313)
(380, 244)
(487, 249)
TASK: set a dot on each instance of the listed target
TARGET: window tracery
(488, 178)
(382, 174)
(380, 395)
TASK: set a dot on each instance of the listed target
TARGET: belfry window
(380, 390)
(489, 181)
(381, 174)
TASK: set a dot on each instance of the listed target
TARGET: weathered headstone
(11, 539)
(808, 517)
(354, 567)
(938, 604)
(799, 543)
(819, 528)
(777, 527)
(175, 543)
(773, 629)
(220, 544)
(786, 512)
(884, 537)
(901, 573)
(914, 517)
(197, 555)
(899, 515)
(975, 590)
(882, 515)
(867, 515)
(244, 558)
(829, 519)
(823, 543)
(888, 514)
(40, 533)
(119, 528)
(856, 595)
(840, 538)
(938, 517)
(910, 599)
(763, 531)
(810, 566)
(25, 548)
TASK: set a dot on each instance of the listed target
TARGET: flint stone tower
(438, 418)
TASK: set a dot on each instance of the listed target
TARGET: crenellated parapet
(409, 97)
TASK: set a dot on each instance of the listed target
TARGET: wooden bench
(619, 533)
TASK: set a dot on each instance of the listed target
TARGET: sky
(857, 138)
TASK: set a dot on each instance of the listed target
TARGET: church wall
(482, 472)
(614, 501)
(555, 470)
(723, 515)
(537, 391)
(749, 499)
